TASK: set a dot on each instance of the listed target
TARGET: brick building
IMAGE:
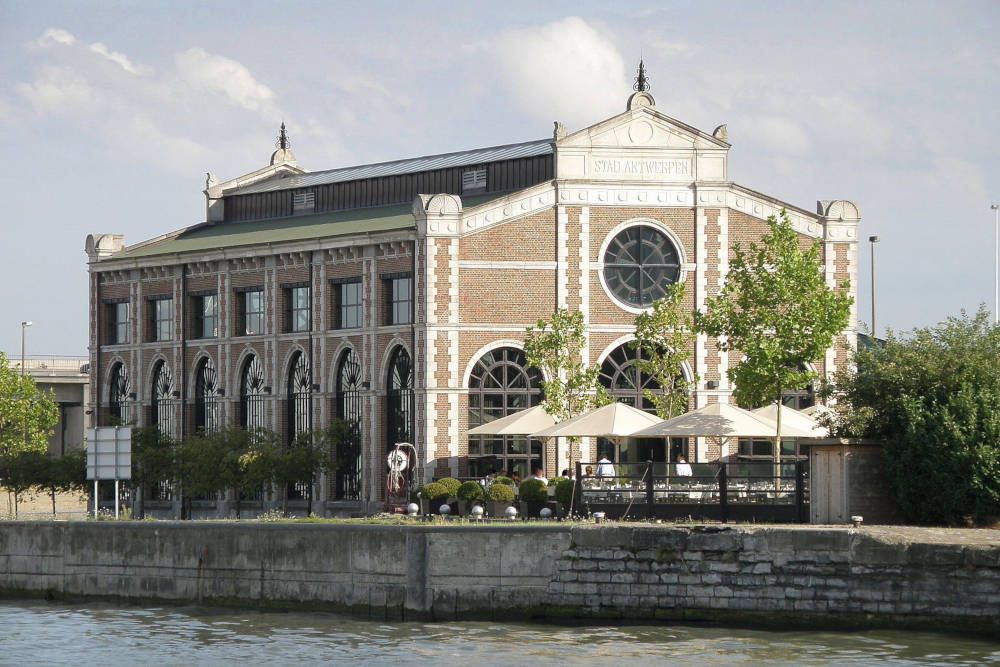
(396, 295)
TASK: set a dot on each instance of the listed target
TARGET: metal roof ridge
(427, 157)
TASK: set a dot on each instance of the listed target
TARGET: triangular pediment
(641, 128)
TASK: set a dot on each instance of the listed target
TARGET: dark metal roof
(408, 166)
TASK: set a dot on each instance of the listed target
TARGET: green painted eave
(221, 235)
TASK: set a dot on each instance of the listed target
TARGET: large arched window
(252, 394)
(621, 377)
(299, 397)
(399, 399)
(163, 403)
(501, 384)
(347, 480)
(206, 397)
(119, 394)
(639, 262)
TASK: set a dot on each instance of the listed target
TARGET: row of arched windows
(253, 394)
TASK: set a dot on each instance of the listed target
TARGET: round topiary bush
(435, 491)
(564, 491)
(452, 484)
(533, 491)
(471, 491)
(501, 492)
(500, 479)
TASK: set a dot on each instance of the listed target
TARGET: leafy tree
(154, 462)
(663, 336)
(776, 309)
(63, 474)
(27, 417)
(933, 396)
(555, 347)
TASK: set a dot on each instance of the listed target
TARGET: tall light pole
(872, 240)
(996, 264)
(24, 327)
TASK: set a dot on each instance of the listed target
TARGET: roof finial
(641, 82)
(283, 141)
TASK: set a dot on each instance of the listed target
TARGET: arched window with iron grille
(163, 403)
(621, 377)
(299, 397)
(501, 383)
(399, 399)
(252, 394)
(206, 397)
(119, 410)
(347, 479)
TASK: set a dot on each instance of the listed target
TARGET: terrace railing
(737, 491)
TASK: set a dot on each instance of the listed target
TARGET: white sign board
(109, 453)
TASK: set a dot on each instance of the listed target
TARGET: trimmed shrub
(471, 491)
(452, 484)
(564, 491)
(500, 479)
(436, 491)
(501, 492)
(533, 491)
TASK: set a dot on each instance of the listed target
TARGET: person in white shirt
(683, 467)
(605, 468)
(537, 473)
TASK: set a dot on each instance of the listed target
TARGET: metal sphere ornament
(445, 509)
(477, 512)
(511, 512)
(546, 513)
(413, 509)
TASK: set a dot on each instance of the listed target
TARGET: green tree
(555, 347)
(933, 397)
(663, 337)
(776, 309)
(64, 474)
(27, 417)
(154, 462)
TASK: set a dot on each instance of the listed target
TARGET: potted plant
(437, 494)
(534, 494)
(501, 497)
(564, 494)
(469, 494)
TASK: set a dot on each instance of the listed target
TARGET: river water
(58, 634)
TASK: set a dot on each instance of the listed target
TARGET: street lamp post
(872, 240)
(24, 327)
(996, 264)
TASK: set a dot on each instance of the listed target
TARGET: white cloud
(223, 75)
(565, 71)
(65, 38)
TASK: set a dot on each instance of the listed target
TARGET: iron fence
(724, 491)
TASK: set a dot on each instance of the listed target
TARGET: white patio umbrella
(792, 417)
(522, 422)
(720, 420)
(615, 420)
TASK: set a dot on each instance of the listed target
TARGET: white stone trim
(701, 285)
(430, 287)
(507, 266)
(723, 265)
(585, 278)
(562, 256)
(453, 278)
(523, 202)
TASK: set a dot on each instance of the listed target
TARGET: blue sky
(112, 112)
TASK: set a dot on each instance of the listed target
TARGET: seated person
(683, 467)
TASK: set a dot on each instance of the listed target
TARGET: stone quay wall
(832, 577)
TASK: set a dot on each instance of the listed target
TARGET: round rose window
(639, 263)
